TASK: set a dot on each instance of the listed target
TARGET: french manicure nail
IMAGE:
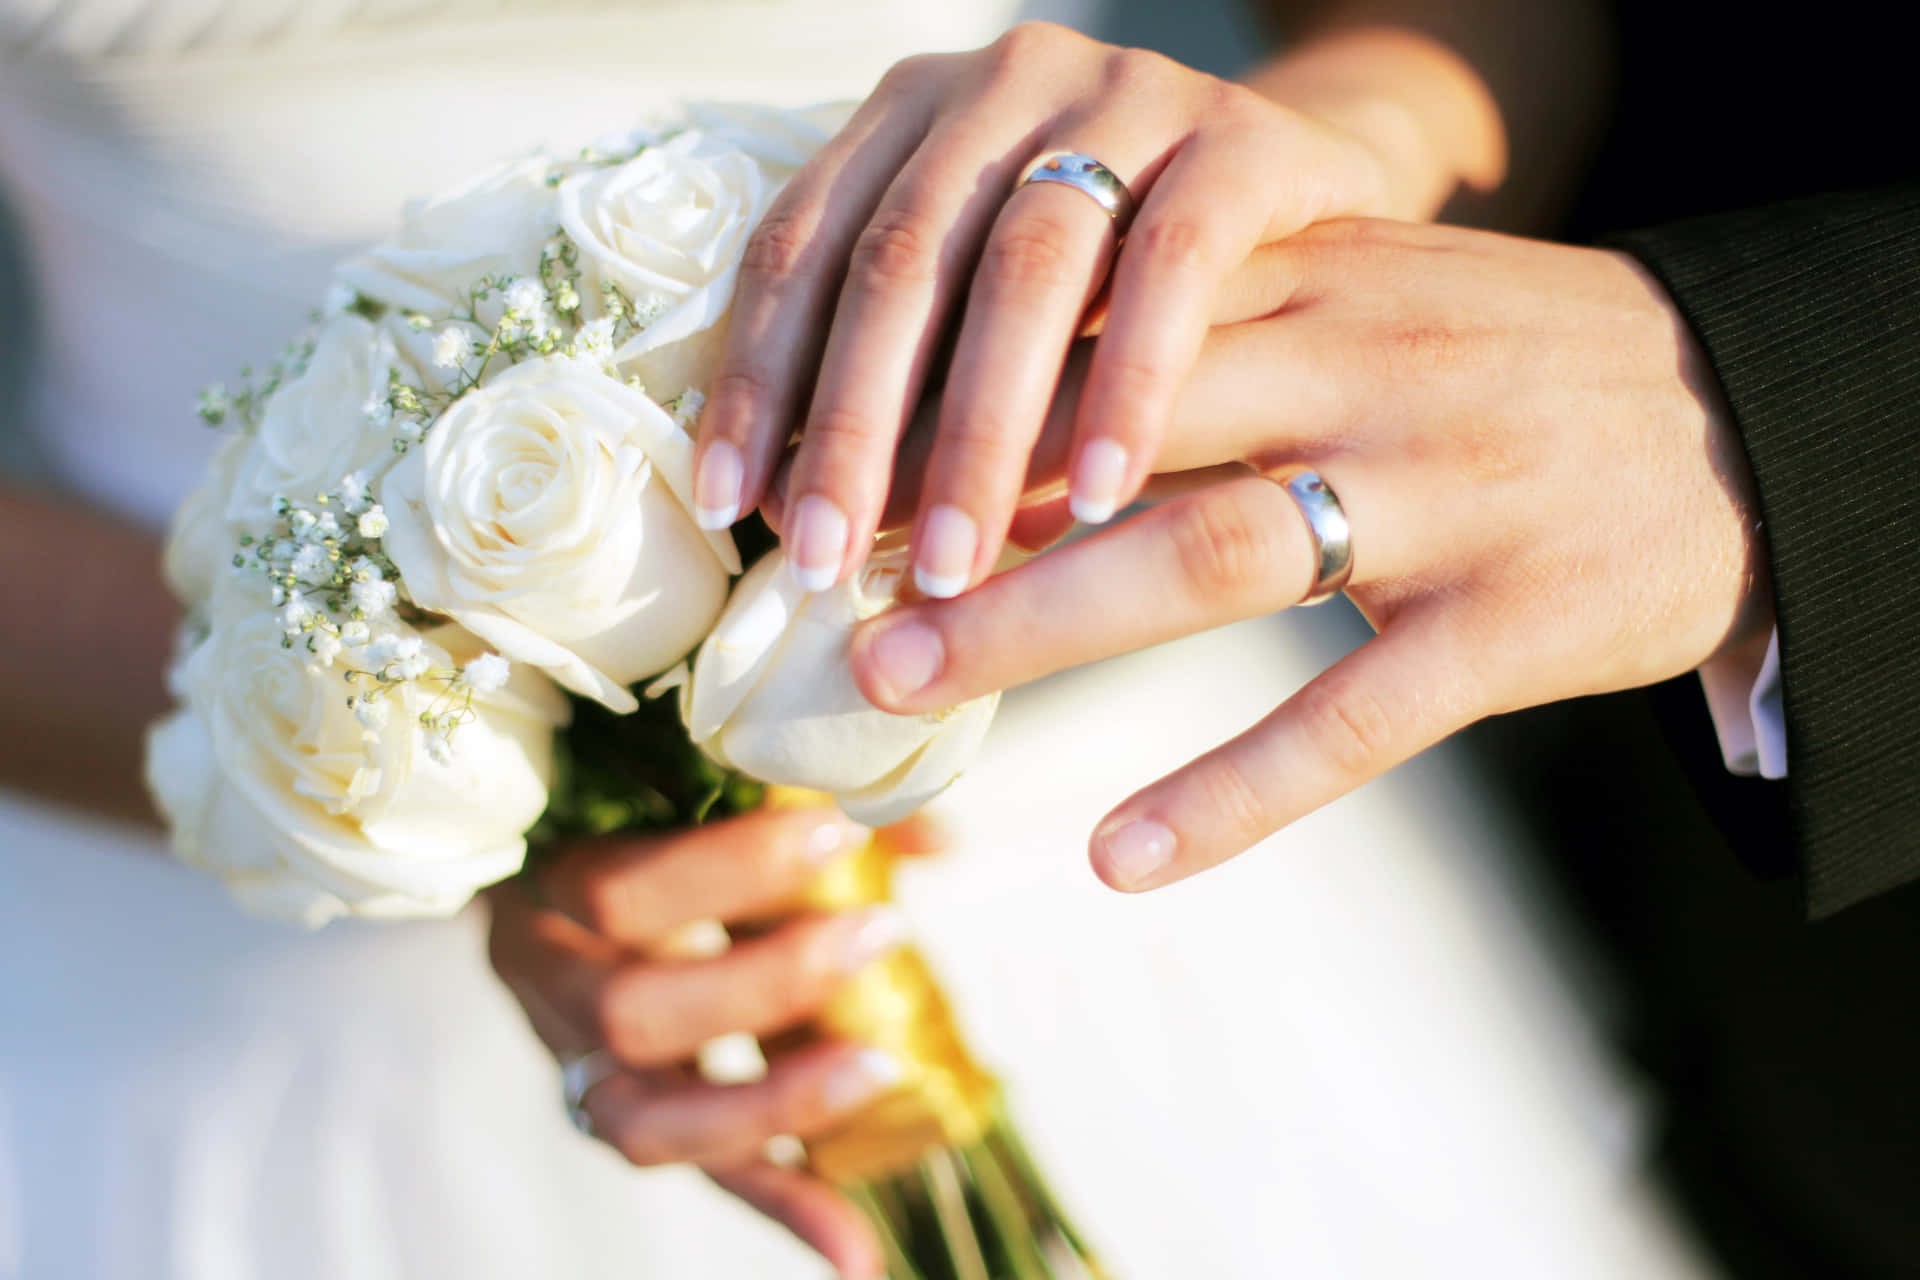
(868, 1073)
(1098, 473)
(885, 928)
(944, 560)
(908, 655)
(816, 542)
(1135, 851)
(716, 489)
(832, 838)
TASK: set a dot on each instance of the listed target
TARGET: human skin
(908, 224)
(1547, 495)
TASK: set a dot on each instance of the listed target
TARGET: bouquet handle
(935, 1162)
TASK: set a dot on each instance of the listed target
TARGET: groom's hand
(610, 945)
(1546, 498)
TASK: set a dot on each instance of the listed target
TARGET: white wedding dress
(1347, 1054)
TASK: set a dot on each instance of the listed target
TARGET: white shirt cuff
(1744, 701)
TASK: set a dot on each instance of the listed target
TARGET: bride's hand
(911, 213)
(1546, 495)
(596, 951)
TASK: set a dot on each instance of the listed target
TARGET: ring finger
(1044, 261)
(1236, 550)
(653, 1118)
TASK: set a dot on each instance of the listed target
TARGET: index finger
(639, 889)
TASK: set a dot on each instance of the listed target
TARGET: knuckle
(1028, 42)
(1348, 725)
(784, 1104)
(1490, 452)
(607, 903)
(640, 1141)
(1231, 795)
(981, 434)
(1137, 70)
(777, 249)
(838, 428)
(629, 1027)
(1134, 381)
(1221, 550)
(745, 384)
(899, 247)
(1177, 243)
(907, 74)
(1229, 100)
(1031, 252)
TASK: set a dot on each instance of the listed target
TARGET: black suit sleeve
(1809, 312)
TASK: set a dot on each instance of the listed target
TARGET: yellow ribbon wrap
(946, 1099)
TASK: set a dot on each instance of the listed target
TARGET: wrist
(1422, 112)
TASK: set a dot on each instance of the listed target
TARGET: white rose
(495, 225)
(780, 139)
(668, 227)
(270, 782)
(315, 430)
(546, 512)
(772, 695)
(201, 542)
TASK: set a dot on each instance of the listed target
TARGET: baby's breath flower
(398, 657)
(354, 491)
(486, 673)
(525, 296)
(687, 406)
(215, 404)
(310, 562)
(372, 596)
(451, 348)
(648, 309)
(596, 337)
(297, 614)
(325, 646)
(373, 522)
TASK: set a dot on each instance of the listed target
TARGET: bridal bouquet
(446, 535)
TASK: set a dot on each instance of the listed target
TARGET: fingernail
(944, 560)
(885, 928)
(832, 838)
(716, 489)
(907, 656)
(1135, 851)
(816, 542)
(1098, 473)
(867, 1074)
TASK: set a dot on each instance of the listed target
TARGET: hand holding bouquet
(449, 532)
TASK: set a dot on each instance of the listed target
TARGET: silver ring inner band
(1089, 177)
(1327, 522)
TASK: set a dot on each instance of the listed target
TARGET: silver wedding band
(1089, 177)
(578, 1076)
(1327, 523)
